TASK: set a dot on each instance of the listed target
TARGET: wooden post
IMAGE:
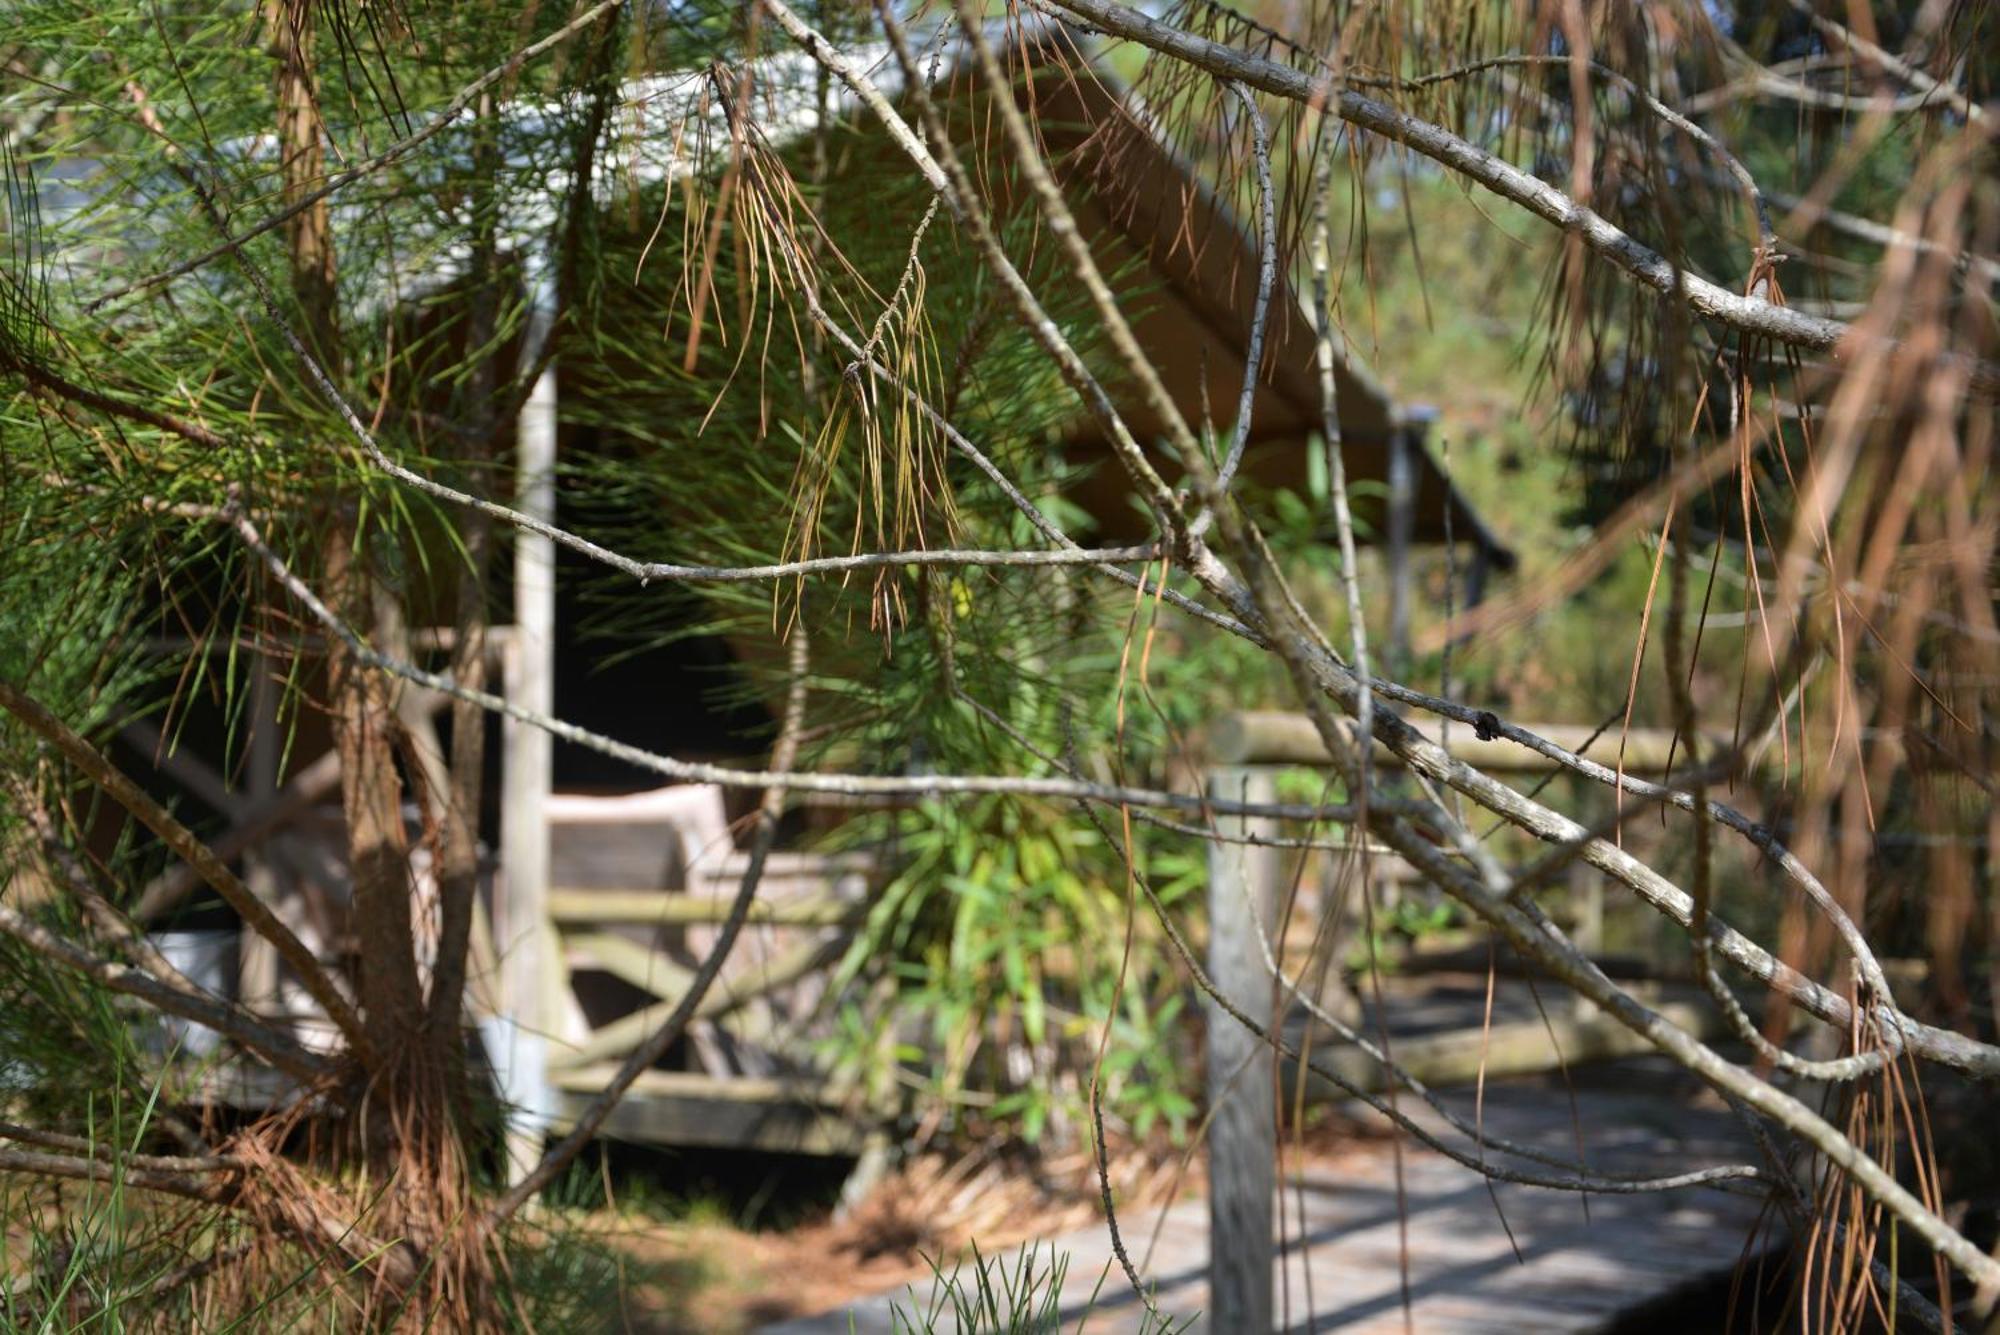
(1402, 522)
(1586, 889)
(518, 1044)
(1476, 573)
(257, 958)
(1243, 1137)
(1586, 897)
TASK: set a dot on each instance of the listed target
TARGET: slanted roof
(1143, 206)
(1138, 199)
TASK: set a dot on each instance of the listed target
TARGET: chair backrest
(692, 812)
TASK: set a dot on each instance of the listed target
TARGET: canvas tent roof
(1137, 198)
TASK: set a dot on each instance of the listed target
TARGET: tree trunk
(378, 849)
(363, 723)
(404, 1130)
(458, 858)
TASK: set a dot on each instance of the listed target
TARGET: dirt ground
(711, 1277)
(715, 1278)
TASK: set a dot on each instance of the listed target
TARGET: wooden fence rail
(1245, 749)
(1268, 737)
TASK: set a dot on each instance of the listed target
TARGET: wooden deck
(690, 1110)
(1342, 1267)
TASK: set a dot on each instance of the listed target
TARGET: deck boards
(1575, 1273)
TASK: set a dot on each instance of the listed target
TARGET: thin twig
(1891, 62)
(255, 913)
(253, 1034)
(1267, 278)
(799, 781)
(1745, 314)
(1752, 192)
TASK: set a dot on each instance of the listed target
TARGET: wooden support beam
(282, 877)
(1243, 1132)
(1586, 914)
(256, 823)
(182, 766)
(661, 852)
(742, 1112)
(529, 969)
(1404, 444)
(787, 872)
(627, 961)
(615, 1040)
(569, 904)
(751, 1025)
(1269, 737)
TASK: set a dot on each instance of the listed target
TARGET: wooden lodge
(602, 889)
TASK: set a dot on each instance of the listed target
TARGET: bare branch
(192, 1186)
(192, 851)
(1427, 757)
(850, 785)
(1746, 314)
(97, 1149)
(253, 1034)
(1760, 213)
(49, 382)
(1889, 61)
(1267, 277)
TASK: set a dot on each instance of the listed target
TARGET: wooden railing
(639, 884)
(1245, 751)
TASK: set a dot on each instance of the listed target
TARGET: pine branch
(191, 850)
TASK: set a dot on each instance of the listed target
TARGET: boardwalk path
(1341, 1271)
